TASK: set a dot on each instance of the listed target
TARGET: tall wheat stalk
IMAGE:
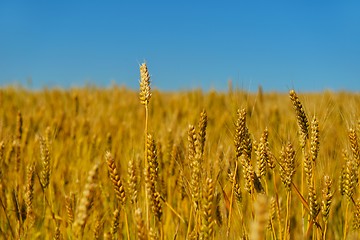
(303, 126)
(145, 95)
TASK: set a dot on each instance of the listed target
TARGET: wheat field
(93, 163)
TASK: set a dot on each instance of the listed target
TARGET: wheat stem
(127, 225)
(346, 220)
(231, 200)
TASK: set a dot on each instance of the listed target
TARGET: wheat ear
(29, 193)
(115, 178)
(302, 120)
(327, 194)
(207, 225)
(132, 181)
(85, 202)
(45, 162)
(354, 145)
(287, 171)
(69, 205)
(151, 177)
(115, 223)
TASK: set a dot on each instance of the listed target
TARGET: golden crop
(93, 163)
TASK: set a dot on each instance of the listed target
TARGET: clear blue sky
(306, 45)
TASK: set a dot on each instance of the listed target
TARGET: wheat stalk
(354, 145)
(132, 182)
(145, 95)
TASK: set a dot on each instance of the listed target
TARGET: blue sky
(306, 45)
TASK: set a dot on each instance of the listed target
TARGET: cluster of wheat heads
(100, 164)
